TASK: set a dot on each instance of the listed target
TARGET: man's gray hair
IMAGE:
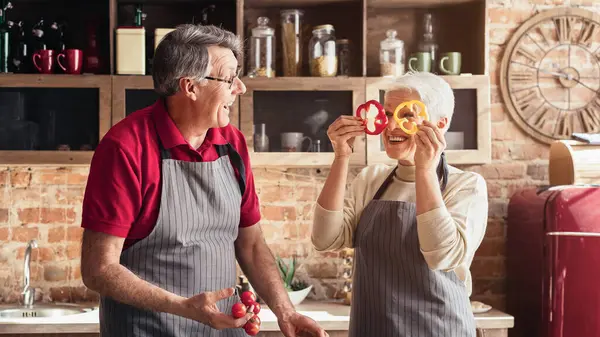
(435, 93)
(184, 53)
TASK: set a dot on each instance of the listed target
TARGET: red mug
(46, 57)
(74, 61)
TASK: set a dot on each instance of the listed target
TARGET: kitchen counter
(333, 317)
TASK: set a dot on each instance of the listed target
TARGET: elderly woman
(170, 205)
(414, 226)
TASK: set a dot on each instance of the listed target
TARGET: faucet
(28, 292)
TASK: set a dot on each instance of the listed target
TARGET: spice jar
(343, 50)
(322, 52)
(262, 50)
(391, 55)
(291, 40)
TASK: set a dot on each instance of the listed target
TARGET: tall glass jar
(323, 59)
(262, 50)
(391, 55)
(291, 40)
(344, 54)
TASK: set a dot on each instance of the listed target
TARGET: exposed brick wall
(44, 203)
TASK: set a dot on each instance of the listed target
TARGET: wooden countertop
(332, 317)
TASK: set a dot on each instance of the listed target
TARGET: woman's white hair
(435, 93)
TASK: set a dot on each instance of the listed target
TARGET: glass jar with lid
(262, 50)
(391, 55)
(322, 55)
(291, 40)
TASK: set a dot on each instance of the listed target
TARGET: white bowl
(296, 297)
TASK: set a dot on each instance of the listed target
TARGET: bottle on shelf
(428, 42)
(261, 140)
(21, 59)
(262, 50)
(391, 55)
(4, 36)
(344, 57)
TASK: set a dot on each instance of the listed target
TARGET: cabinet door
(295, 114)
(52, 119)
(469, 137)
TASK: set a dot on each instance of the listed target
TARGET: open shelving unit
(301, 104)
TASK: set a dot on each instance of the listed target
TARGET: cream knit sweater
(448, 236)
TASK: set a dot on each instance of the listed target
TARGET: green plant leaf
(291, 271)
(283, 271)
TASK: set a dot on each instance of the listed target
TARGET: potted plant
(297, 290)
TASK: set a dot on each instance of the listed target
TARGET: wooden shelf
(293, 3)
(294, 160)
(29, 158)
(55, 81)
(415, 3)
(364, 23)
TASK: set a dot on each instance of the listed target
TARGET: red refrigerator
(553, 262)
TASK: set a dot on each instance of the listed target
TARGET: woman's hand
(342, 133)
(430, 145)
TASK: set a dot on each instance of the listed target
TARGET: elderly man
(414, 226)
(170, 204)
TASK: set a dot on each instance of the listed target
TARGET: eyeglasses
(230, 81)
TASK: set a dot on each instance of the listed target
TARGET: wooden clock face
(550, 74)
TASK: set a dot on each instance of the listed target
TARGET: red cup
(46, 58)
(74, 59)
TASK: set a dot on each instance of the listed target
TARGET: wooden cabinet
(301, 104)
(301, 108)
(468, 138)
(44, 113)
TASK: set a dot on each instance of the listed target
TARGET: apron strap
(236, 161)
(385, 184)
(222, 150)
(164, 153)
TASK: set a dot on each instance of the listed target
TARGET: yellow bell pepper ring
(422, 113)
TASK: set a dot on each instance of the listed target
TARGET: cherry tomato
(252, 329)
(256, 308)
(255, 320)
(248, 298)
(238, 310)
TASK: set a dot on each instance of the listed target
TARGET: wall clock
(550, 74)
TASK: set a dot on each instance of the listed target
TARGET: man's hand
(296, 325)
(203, 308)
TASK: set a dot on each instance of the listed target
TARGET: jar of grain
(391, 55)
(291, 40)
(323, 59)
(262, 50)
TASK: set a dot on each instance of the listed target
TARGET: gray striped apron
(394, 293)
(190, 250)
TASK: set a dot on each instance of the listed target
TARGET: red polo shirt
(122, 196)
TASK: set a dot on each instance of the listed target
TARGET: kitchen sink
(42, 310)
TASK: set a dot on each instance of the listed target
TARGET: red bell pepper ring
(373, 114)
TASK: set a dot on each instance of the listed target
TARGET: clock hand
(578, 81)
(544, 71)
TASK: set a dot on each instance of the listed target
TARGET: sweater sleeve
(451, 234)
(334, 229)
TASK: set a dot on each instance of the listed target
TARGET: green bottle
(4, 35)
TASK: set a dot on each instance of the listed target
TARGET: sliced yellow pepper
(401, 121)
